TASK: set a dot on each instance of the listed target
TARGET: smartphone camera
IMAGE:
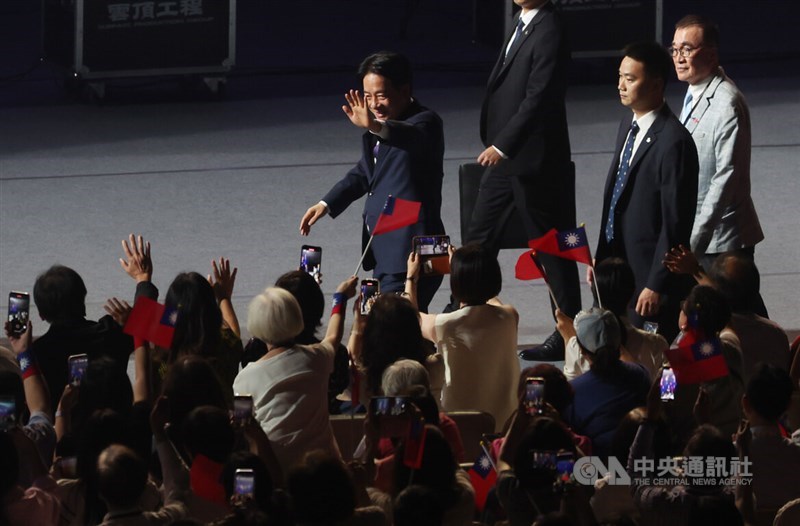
(244, 484)
(370, 289)
(311, 261)
(668, 384)
(242, 409)
(18, 311)
(77, 368)
(8, 412)
(392, 414)
(534, 395)
(651, 327)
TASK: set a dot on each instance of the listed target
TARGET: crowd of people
(211, 429)
(170, 445)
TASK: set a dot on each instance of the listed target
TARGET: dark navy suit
(655, 212)
(524, 115)
(408, 166)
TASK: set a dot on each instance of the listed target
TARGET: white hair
(405, 378)
(274, 316)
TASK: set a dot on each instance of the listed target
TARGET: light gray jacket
(719, 122)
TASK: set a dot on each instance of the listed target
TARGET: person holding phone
(289, 384)
(402, 152)
(479, 340)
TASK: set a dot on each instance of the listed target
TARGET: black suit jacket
(524, 113)
(409, 166)
(656, 209)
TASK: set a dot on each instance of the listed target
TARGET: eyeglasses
(685, 51)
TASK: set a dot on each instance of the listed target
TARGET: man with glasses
(716, 115)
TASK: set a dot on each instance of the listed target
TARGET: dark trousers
(497, 192)
(426, 287)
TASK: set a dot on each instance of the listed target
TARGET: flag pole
(591, 265)
(363, 255)
(544, 275)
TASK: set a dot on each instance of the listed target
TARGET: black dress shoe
(551, 350)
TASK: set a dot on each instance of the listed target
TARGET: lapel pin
(647, 140)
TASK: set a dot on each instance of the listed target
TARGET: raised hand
(680, 260)
(119, 310)
(222, 279)
(357, 109)
(20, 342)
(137, 263)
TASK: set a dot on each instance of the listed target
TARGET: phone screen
(543, 459)
(244, 483)
(534, 394)
(668, 384)
(431, 245)
(18, 311)
(77, 368)
(565, 462)
(8, 412)
(392, 413)
(370, 288)
(242, 409)
(311, 260)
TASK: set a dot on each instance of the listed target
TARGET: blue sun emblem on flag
(24, 363)
(572, 239)
(485, 464)
(706, 348)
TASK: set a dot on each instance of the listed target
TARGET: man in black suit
(651, 190)
(402, 156)
(524, 129)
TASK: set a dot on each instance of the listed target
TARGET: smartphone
(433, 253)
(244, 483)
(311, 261)
(77, 368)
(543, 459)
(534, 395)
(651, 327)
(370, 289)
(18, 311)
(392, 413)
(431, 245)
(8, 412)
(242, 409)
(668, 384)
(565, 462)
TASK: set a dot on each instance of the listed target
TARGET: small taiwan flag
(696, 359)
(396, 213)
(526, 267)
(483, 477)
(568, 244)
(152, 321)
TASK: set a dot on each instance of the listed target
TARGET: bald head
(736, 277)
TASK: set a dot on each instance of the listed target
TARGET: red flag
(152, 321)
(526, 268)
(397, 213)
(483, 477)
(568, 244)
(415, 444)
(695, 359)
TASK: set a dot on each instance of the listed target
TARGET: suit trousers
(500, 190)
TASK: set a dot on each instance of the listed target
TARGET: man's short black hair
(656, 60)
(60, 295)
(769, 391)
(387, 64)
(709, 27)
